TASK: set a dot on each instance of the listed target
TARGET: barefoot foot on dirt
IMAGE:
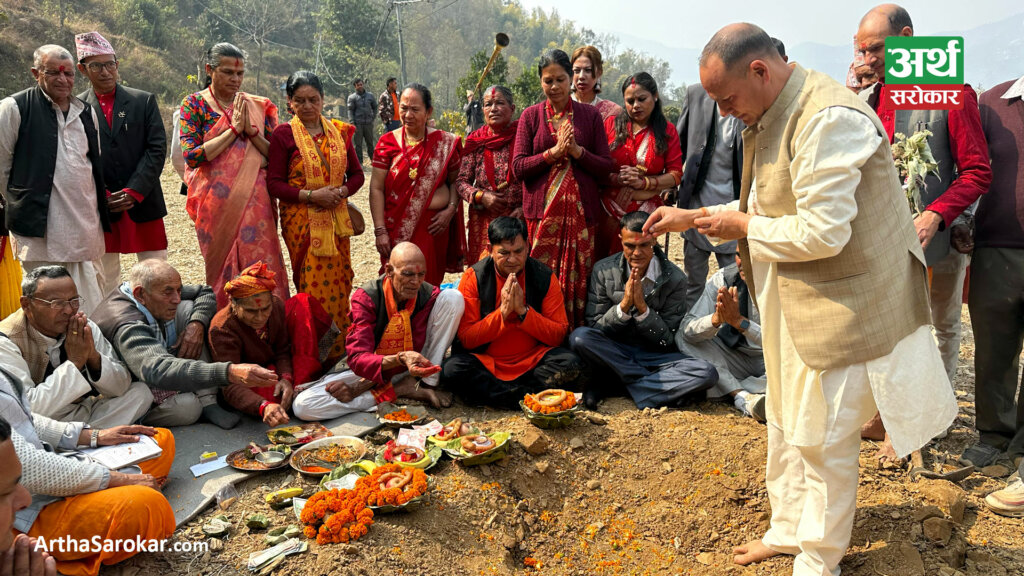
(751, 552)
(886, 455)
(873, 429)
(411, 389)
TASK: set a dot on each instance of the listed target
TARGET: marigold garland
(333, 516)
(378, 494)
(533, 404)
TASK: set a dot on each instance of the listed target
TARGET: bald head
(892, 18)
(407, 268)
(878, 24)
(406, 253)
(741, 69)
(739, 44)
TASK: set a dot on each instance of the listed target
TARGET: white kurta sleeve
(65, 385)
(832, 148)
(10, 121)
(114, 377)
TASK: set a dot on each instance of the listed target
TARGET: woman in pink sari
(411, 196)
(224, 138)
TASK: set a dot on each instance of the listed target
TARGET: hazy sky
(689, 23)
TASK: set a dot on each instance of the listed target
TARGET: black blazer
(698, 114)
(133, 150)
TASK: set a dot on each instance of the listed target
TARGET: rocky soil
(620, 492)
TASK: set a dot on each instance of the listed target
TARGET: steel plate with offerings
(321, 456)
(256, 458)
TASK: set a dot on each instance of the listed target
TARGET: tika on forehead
(632, 82)
(494, 91)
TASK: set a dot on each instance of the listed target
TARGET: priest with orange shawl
(411, 199)
(313, 169)
(224, 137)
(72, 496)
(511, 333)
(486, 181)
(401, 328)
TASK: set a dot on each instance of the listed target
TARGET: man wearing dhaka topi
(830, 254)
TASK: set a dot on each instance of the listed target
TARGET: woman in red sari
(313, 170)
(587, 68)
(645, 148)
(485, 179)
(224, 138)
(411, 199)
(561, 154)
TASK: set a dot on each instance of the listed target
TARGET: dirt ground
(620, 492)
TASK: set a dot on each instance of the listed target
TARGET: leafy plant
(914, 161)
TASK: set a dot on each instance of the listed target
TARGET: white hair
(51, 50)
(146, 273)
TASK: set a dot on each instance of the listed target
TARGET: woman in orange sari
(224, 138)
(313, 169)
(411, 196)
(561, 154)
(645, 148)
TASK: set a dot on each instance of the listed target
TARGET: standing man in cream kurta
(828, 247)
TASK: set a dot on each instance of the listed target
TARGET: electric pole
(401, 45)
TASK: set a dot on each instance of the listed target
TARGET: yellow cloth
(324, 224)
(122, 513)
(10, 280)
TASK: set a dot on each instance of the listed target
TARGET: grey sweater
(144, 351)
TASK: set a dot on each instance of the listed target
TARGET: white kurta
(909, 386)
(73, 229)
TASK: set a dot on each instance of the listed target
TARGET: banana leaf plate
(501, 440)
(551, 420)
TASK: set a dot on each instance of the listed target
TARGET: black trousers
(464, 375)
(996, 304)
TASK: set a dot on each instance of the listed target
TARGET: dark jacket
(529, 166)
(134, 149)
(666, 303)
(699, 114)
(28, 191)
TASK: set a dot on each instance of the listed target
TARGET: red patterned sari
(318, 238)
(561, 239)
(414, 174)
(235, 217)
(487, 166)
(637, 150)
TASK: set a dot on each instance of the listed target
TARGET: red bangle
(264, 407)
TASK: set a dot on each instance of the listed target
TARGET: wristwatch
(744, 324)
(522, 317)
